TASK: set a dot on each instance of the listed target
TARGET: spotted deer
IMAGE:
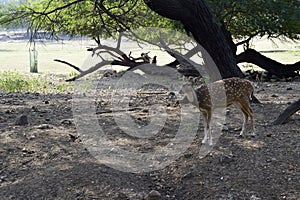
(207, 97)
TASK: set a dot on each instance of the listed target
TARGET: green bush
(24, 82)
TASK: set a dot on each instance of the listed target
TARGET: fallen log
(287, 113)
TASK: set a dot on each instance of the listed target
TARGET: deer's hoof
(253, 135)
(204, 141)
(241, 135)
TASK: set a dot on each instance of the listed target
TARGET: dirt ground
(46, 159)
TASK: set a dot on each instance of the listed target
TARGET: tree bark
(272, 66)
(197, 19)
(289, 111)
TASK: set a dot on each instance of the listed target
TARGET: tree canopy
(247, 19)
(243, 19)
(97, 19)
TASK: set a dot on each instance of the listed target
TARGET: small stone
(274, 95)
(283, 80)
(34, 109)
(188, 155)
(22, 120)
(145, 111)
(225, 128)
(291, 168)
(3, 178)
(171, 94)
(238, 129)
(46, 102)
(66, 122)
(27, 151)
(289, 88)
(44, 126)
(153, 195)
(31, 137)
(72, 138)
(253, 197)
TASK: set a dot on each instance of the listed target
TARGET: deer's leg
(244, 123)
(209, 128)
(252, 122)
(244, 111)
(206, 125)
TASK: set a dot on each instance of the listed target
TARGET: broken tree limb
(71, 65)
(90, 70)
(287, 113)
(272, 66)
(130, 64)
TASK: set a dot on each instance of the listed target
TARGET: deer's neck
(192, 96)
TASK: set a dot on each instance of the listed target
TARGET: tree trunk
(199, 21)
(272, 66)
(289, 111)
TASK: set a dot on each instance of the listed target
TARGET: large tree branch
(272, 66)
(289, 111)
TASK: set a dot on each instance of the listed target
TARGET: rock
(297, 79)
(253, 197)
(274, 95)
(224, 127)
(34, 109)
(44, 126)
(22, 120)
(274, 76)
(27, 151)
(283, 80)
(66, 122)
(188, 155)
(153, 195)
(289, 88)
(72, 138)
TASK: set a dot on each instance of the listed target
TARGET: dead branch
(71, 65)
(287, 113)
(121, 110)
(90, 70)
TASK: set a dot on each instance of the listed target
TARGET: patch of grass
(63, 87)
(72, 74)
(5, 50)
(12, 81)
